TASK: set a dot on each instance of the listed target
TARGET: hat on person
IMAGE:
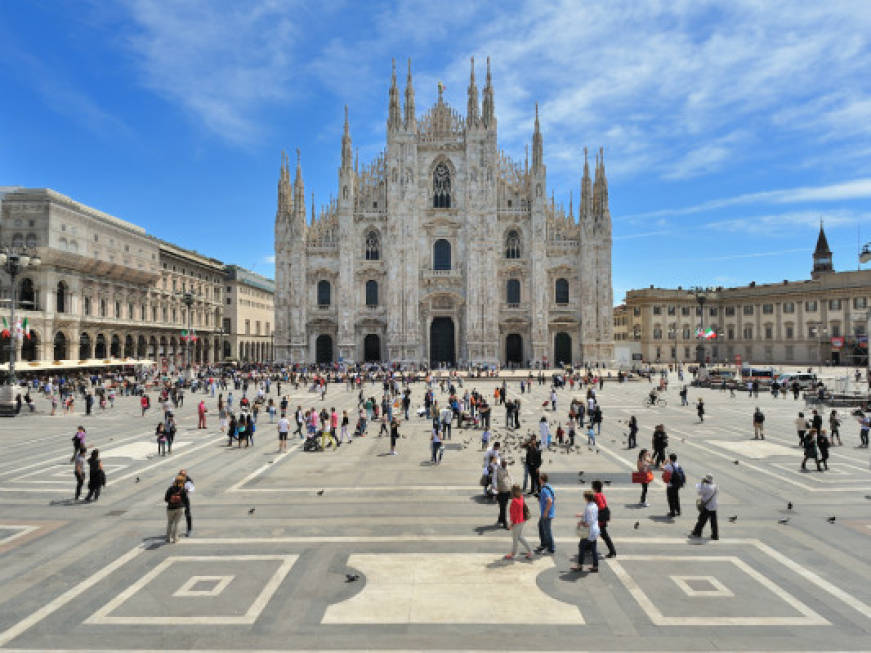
(709, 478)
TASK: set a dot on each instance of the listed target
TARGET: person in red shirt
(517, 521)
(604, 517)
(201, 415)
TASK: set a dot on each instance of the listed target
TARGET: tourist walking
(633, 433)
(674, 478)
(589, 521)
(519, 515)
(810, 450)
(801, 426)
(643, 475)
(547, 512)
(394, 436)
(201, 414)
(835, 427)
(700, 410)
(503, 492)
(78, 441)
(96, 476)
(176, 499)
(758, 420)
(160, 434)
(604, 517)
(823, 447)
(283, 428)
(864, 427)
(79, 471)
(189, 488)
(707, 504)
(660, 443)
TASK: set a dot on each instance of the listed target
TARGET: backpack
(678, 478)
(175, 499)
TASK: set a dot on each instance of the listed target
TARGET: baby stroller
(312, 444)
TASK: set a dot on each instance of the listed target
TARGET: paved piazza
(87, 577)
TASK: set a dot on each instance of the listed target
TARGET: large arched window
(441, 187)
(512, 291)
(373, 246)
(561, 291)
(371, 293)
(61, 305)
(27, 295)
(512, 244)
(441, 255)
(323, 293)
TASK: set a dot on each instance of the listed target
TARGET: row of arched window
(27, 296)
(325, 293)
(441, 249)
(512, 292)
(560, 291)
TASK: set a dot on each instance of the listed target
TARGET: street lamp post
(701, 295)
(13, 261)
(187, 298)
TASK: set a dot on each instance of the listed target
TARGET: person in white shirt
(283, 428)
(544, 432)
(707, 503)
(590, 521)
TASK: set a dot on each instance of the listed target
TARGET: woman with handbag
(588, 529)
(604, 517)
(644, 475)
(519, 515)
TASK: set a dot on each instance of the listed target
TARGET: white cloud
(269, 259)
(841, 191)
(779, 224)
(220, 61)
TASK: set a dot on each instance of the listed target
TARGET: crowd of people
(448, 405)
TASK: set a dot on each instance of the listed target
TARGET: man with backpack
(676, 480)
(176, 499)
(758, 420)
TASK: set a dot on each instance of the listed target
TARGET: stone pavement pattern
(85, 577)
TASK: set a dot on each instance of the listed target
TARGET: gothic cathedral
(443, 251)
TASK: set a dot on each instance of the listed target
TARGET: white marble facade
(443, 250)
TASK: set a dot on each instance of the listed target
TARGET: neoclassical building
(106, 288)
(443, 250)
(249, 314)
(821, 320)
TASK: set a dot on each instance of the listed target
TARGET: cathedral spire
(346, 143)
(284, 191)
(571, 208)
(537, 145)
(603, 190)
(487, 110)
(394, 119)
(299, 189)
(472, 108)
(585, 210)
(410, 120)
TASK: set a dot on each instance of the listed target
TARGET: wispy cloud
(219, 60)
(269, 259)
(847, 190)
(783, 223)
(735, 257)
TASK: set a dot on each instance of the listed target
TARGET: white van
(806, 381)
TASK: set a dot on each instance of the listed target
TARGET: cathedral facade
(443, 250)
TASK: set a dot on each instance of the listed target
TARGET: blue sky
(730, 128)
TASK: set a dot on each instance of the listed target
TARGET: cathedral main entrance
(562, 349)
(514, 349)
(441, 342)
(324, 349)
(372, 348)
